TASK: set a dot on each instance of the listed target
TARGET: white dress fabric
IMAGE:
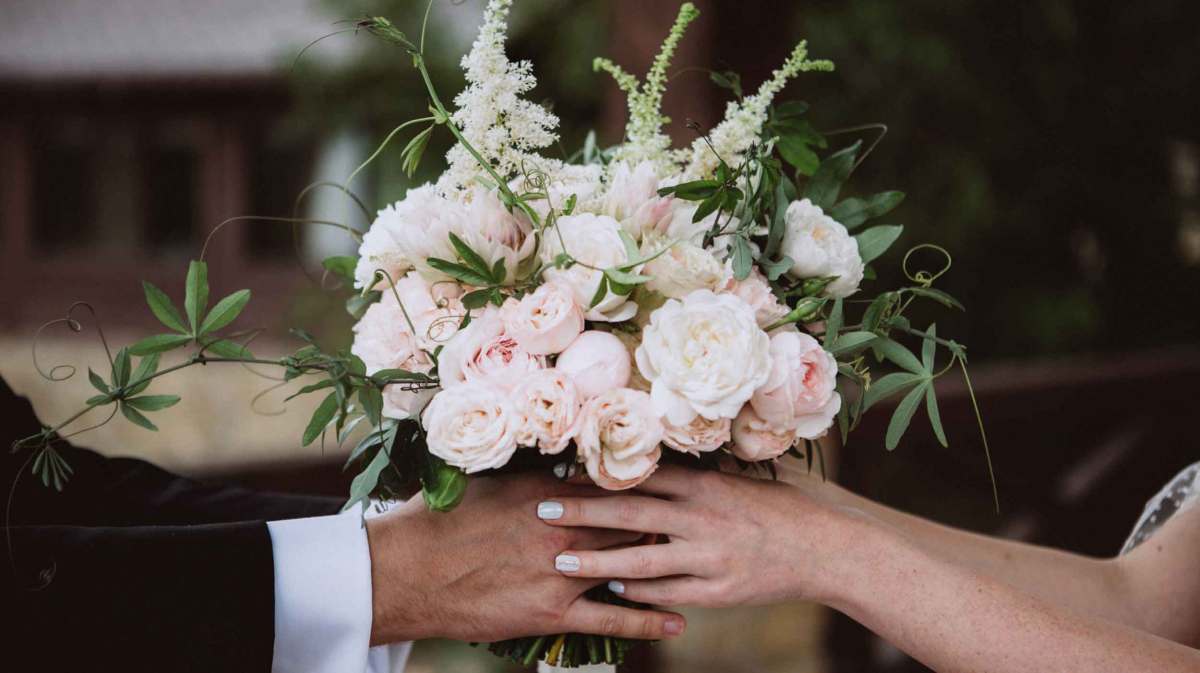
(1179, 494)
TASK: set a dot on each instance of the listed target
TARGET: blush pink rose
(483, 351)
(597, 362)
(755, 439)
(619, 438)
(544, 321)
(755, 291)
(800, 393)
(699, 436)
(548, 405)
(472, 426)
(383, 340)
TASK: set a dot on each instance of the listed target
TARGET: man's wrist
(393, 540)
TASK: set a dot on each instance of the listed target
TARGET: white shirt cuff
(323, 598)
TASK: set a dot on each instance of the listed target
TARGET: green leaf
(389, 375)
(797, 153)
(876, 309)
(854, 211)
(823, 188)
(372, 403)
(225, 311)
(899, 355)
(195, 300)
(696, 190)
(97, 382)
(364, 482)
(460, 272)
(96, 400)
(159, 343)
(887, 386)
(707, 207)
(625, 277)
(875, 241)
(601, 290)
(792, 108)
(311, 388)
(938, 296)
(341, 266)
(137, 418)
(162, 308)
(411, 155)
(935, 416)
(929, 348)
(227, 349)
(903, 415)
(852, 341)
(320, 418)
(834, 323)
(152, 402)
(774, 269)
(631, 247)
(442, 486)
(472, 259)
(475, 299)
(499, 273)
(382, 436)
(358, 304)
(743, 257)
(778, 226)
(121, 368)
(145, 369)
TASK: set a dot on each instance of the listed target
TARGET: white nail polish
(550, 510)
(616, 586)
(566, 563)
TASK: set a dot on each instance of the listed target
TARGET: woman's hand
(732, 540)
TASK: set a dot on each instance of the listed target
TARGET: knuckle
(648, 629)
(628, 511)
(643, 564)
(610, 625)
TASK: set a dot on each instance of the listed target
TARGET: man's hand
(485, 571)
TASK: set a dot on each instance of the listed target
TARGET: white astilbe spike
(644, 139)
(744, 119)
(505, 129)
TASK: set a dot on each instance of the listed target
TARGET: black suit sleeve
(132, 568)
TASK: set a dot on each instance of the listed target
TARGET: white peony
(594, 240)
(820, 246)
(380, 249)
(473, 427)
(684, 268)
(618, 438)
(632, 199)
(496, 234)
(704, 355)
(424, 222)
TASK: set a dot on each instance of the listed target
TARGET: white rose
(380, 249)
(544, 321)
(618, 438)
(483, 351)
(701, 435)
(383, 340)
(801, 393)
(473, 427)
(820, 246)
(684, 268)
(632, 199)
(594, 240)
(548, 404)
(704, 355)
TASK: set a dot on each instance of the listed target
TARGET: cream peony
(755, 439)
(544, 321)
(473, 427)
(618, 438)
(594, 240)
(703, 355)
(548, 404)
(483, 351)
(800, 393)
(424, 222)
(597, 362)
(632, 199)
(383, 341)
(756, 292)
(435, 310)
(496, 234)
(684, 268)
(699, 436)
(380, 249)
(819, 246)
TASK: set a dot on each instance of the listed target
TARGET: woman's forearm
(954, 619)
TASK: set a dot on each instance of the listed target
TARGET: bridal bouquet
(629, 305)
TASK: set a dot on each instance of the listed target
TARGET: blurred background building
(1051, 146)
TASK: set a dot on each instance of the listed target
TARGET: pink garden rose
(544, 321)
(800, 393)
(383, 340)
(699, 436)
(547, 404)
(755, 439)
(618, 437)
(597, 362)
(483, 351)
(472, 426)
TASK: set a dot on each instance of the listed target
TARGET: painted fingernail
(549, 510)
(673, 626)
(616, 586)
(566, 563)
